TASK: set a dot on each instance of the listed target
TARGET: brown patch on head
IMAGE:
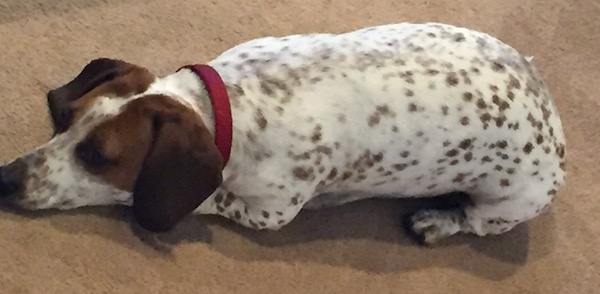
(161, 151)
(100, 77)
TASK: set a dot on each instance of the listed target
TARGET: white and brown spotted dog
(402, 110)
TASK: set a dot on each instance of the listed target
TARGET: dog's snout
(12, 176)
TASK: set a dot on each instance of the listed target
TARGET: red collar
(221, 107)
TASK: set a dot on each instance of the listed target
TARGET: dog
(277, 124)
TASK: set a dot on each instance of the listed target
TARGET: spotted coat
(400, 110)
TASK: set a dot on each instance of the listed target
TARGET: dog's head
(114, 143)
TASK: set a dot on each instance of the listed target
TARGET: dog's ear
(182, 168)
(94, 74)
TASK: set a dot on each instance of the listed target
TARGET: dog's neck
(186, 87)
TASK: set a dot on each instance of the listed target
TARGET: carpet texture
(357, 248)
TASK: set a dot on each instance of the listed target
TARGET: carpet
(356, 248)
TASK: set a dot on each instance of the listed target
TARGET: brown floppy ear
(182, 168)
(95, 73)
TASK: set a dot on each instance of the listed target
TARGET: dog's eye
(90, 154)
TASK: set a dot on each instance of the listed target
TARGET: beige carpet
(357, 248)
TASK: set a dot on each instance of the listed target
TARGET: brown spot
(373, 120)
(468, 156)
(332, 174)
(464, 120)
(552, 192)
(481, 104)
(452, 153)
(510, 170)
(229, 198)
(324, 149)
(431, 35)
(260, 119)
(497, 67)
(513, 82)
(502, 144)
(412, 107)
(219, 198)
(237, 214)
(561, 151)
(483, 175)
(464, 144)
(409, 93)
(500, 120)
(346, 175)
(498, 167)
(432, 72)
(446, 143)
(504, 183)
(467, 96)
(295, 200)
(511, 95)
(459, 37)
(316, 135)
(527, 148)
(454, 162)
(302, 173)
(539, 139)
(265, 214)
(404, 154)
(399, 167)
(496, 99)
(459, 178)
(452, 79)
(486, 159)
(341, 118)
(445, 110)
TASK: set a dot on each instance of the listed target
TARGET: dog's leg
(488, 215)
(251, 213)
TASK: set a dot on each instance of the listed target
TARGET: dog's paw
(429, 226)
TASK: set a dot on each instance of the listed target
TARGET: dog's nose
(11, 177)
